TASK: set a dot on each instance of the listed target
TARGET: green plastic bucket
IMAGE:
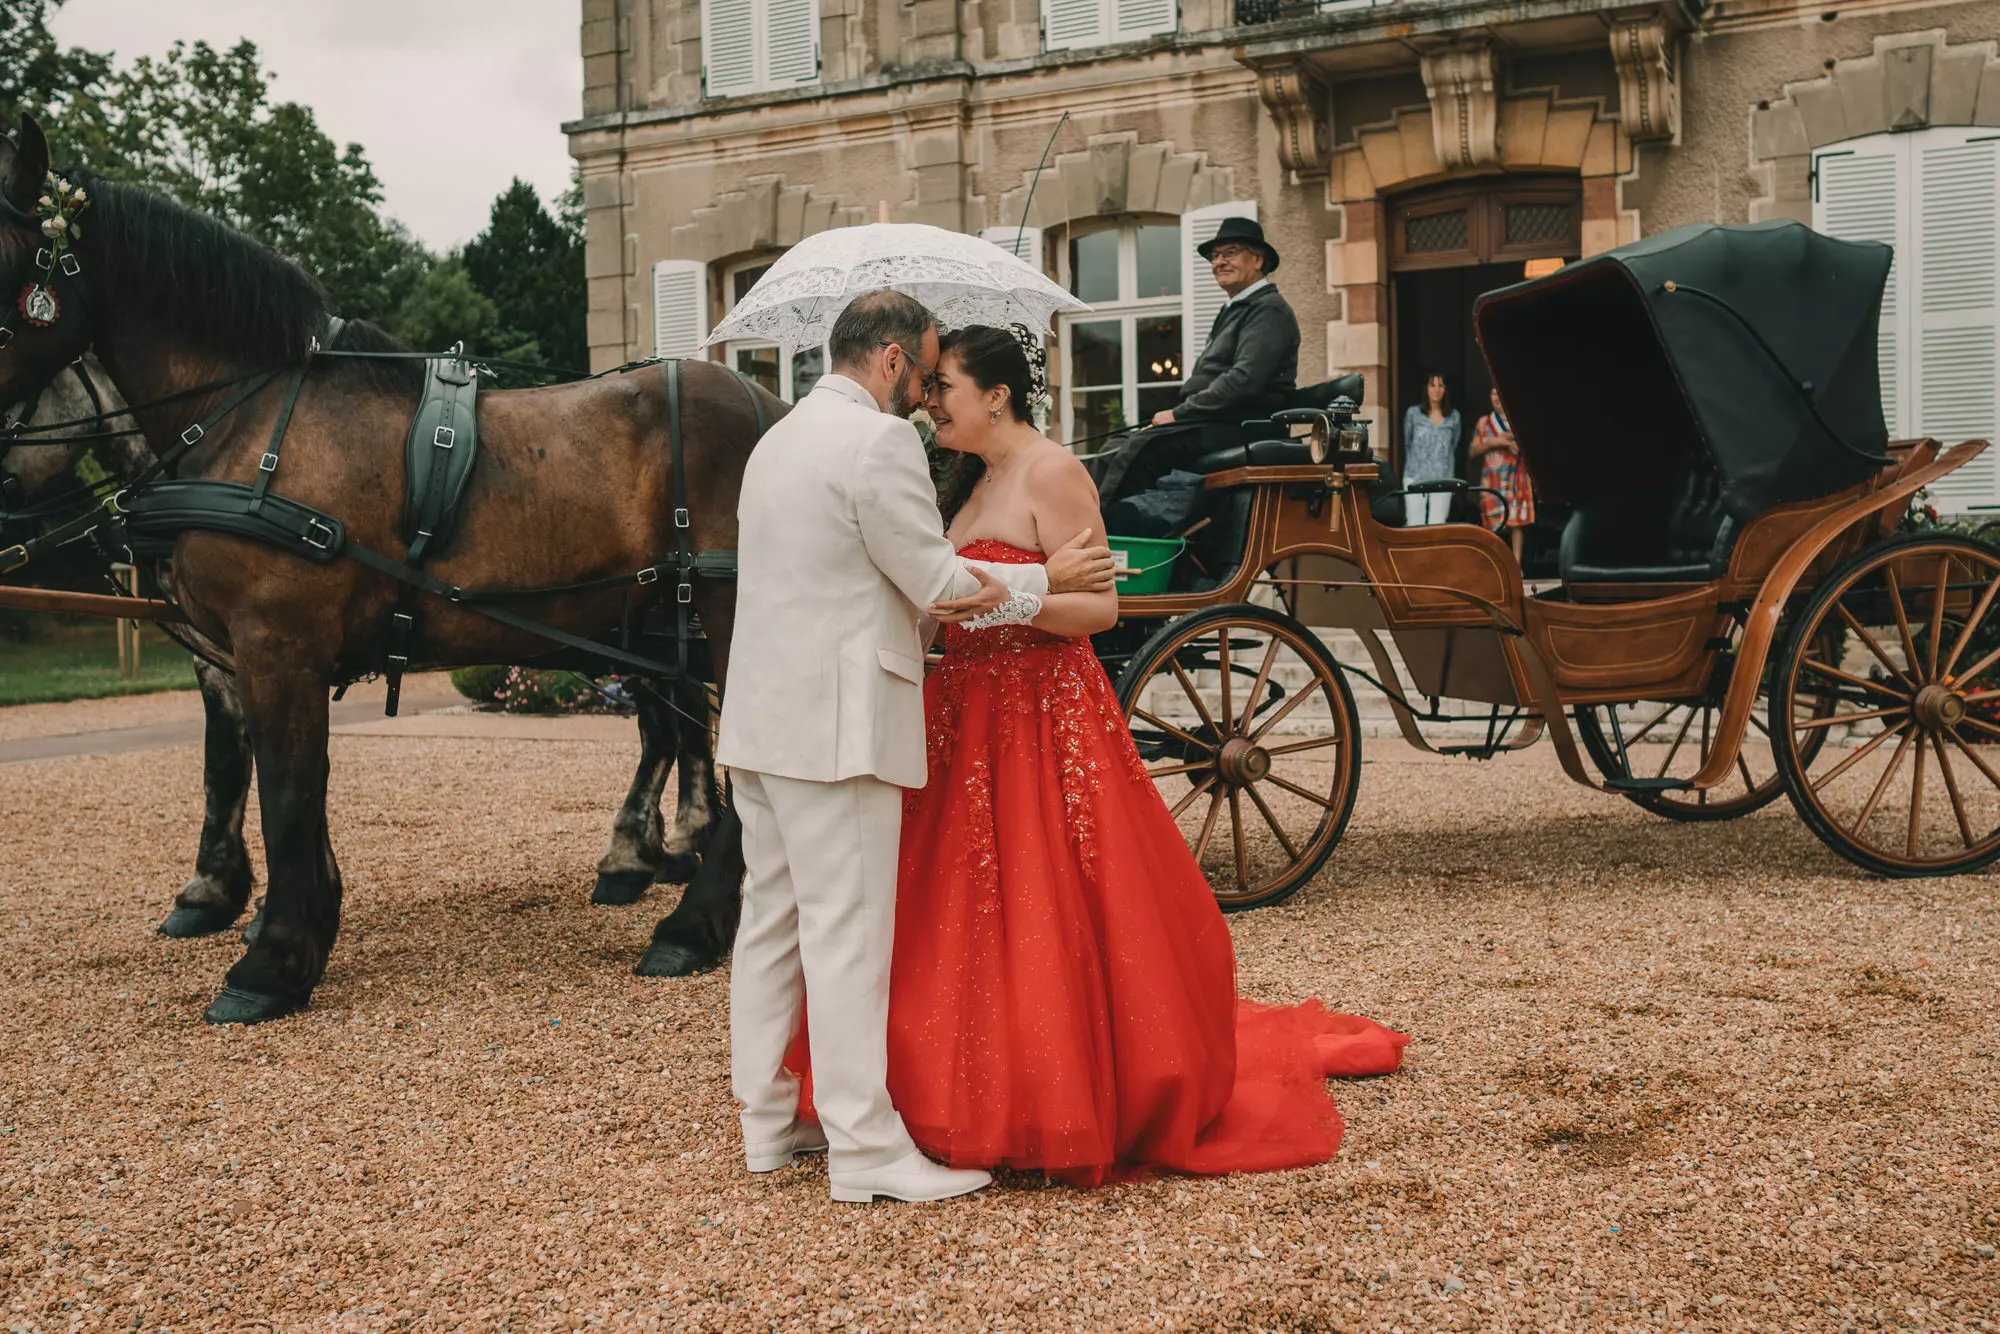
(1144, 564)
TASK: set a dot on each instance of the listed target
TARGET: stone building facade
(1403, 156)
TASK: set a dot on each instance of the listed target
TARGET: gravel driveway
(1663, 1077)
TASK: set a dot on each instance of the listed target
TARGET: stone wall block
(602, 252)
(1383, 150)
(1955, 74)
(1821, 108)
(1366, 303)
(600, 11)
(792, 215)
(1351, 178)
(1862, 96)
(1208, 187)
(1791, 181)
(1906, 86)
(1142, 180)
(818, 214)
(601, 71)
(1778, 131)
(1110, 174)
(1079, 197)
(1523, 122)
(1351, 262)
(1600, 154)
(1568, 136)
(1987, 110)
(940, 184)
(930, 148)
(1351, 346)
(1176, 177)
(935, 18)
(600, 36)
(600, 190)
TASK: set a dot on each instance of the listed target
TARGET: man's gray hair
(875, 318)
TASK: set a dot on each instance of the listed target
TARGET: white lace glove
(1019, 609)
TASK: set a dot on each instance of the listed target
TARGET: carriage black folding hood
(1757, 343)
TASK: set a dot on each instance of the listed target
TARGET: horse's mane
(226, 293)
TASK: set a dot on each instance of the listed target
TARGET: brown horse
(573, 485)
(79, 409)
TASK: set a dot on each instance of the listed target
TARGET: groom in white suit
(840, 546)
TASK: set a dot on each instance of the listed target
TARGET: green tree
(57, 85)
(445, 307)
(529, 264)
(199, 125)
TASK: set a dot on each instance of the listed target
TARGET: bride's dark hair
(990, 358)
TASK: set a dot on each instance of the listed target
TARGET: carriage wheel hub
(1938, 707)
(1242, 762)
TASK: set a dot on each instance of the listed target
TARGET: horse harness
(440, 452)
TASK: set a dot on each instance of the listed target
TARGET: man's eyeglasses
(931, 380)
(1223, 252)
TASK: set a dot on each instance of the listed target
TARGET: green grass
(67, 659)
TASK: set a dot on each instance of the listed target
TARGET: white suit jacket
(839, 546)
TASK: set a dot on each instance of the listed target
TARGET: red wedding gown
(1063, 992)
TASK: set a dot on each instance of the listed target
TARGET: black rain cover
(1613, 369)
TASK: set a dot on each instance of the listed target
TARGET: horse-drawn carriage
(1736, 617)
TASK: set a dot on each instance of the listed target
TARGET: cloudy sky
(449, 98)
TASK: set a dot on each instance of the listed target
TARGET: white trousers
(1421, 510)
(819, 920)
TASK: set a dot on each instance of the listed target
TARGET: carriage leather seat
(1272, 446)
(1636, 540)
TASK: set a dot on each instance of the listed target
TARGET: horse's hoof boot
(187, 922)
(618, 888)
(249, 1007)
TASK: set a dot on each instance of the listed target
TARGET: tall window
(1070, 24)
(786, 371)
(758, 46)
(1933, 195)
(1122, 361)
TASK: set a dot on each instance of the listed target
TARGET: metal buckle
(443, 436)
(42, 259)
(71, 266)
(6, 335)
(405, 619)
(685, 593)
(400, 660)
(680, 517)
(269, 463)
(13, 558)
(315, 527)
(193, 434)
(650, 575)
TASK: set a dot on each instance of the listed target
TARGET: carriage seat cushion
(1635, 540)
(1256, 454)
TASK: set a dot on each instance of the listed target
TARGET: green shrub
(478, 684)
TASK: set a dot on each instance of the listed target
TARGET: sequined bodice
(961, 642)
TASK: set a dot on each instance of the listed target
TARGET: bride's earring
(993, 417)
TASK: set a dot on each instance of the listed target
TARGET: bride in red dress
(1063, 992)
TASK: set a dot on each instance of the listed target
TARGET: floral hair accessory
(1038, 364)
(58, 208)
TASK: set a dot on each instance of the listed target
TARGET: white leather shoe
(914, 1178)
(807, 1138)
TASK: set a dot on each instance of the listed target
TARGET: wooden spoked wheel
(1673, 738)
(1246, 723)
(1901, 775)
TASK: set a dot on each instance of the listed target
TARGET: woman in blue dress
(1430, 452)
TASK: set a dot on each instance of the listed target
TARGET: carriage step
(1477, 752)
(1648, 785)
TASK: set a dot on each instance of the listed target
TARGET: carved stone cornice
(1649, 96)
(1297, 102)
(1460, 80)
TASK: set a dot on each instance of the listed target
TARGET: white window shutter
(1134, 19)
(1956, 316)
(728, 47)
(1070, 24)
(680, 307)
(1856, 198)
(790, 45)
(1023, 243)
(1201, 299)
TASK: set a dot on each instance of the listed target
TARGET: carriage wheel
(1901, 776)
(1672, 739)
(1246, 723)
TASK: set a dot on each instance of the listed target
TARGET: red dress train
(1063, 993)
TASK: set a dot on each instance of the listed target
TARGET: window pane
(1160, 348)
(807, 367)
(1093, 266)
(1096, 353)
(1159, 262)
(759, 364)
(1157, 399)
(1097, 412)
(745, 280)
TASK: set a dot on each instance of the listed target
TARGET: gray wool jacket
(1250, 365)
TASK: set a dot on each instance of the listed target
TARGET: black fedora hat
(1243, 231)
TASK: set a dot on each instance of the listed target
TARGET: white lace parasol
(961, 279)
